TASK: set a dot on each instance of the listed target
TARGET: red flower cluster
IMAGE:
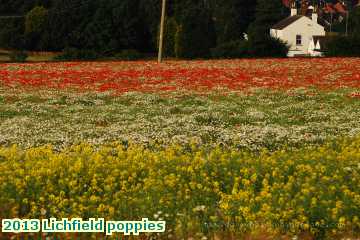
(355, 95)
(328, 73)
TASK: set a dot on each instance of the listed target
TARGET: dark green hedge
(343, 46)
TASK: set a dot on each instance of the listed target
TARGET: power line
(76, 6)
(66, 9)
(7, 17)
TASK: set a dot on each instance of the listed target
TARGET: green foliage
(150, 11)
(354, 21)
(260, 42)
(178, 45)
(232, 49)
(18, 56)
(195, 35)
(97, 34)
(36, 23)
(128, 54)
(169, 37)
(193, 27)
(11, 33)
(343, 46)
(35, 20)
(267, 47)
(77, 54)
(232, 19)
(268, 12)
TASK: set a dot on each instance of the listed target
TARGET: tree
(97, 34)
(232, 18)
(354, 22)
(110, 26)
(268, 12)
(196, 33)
(35, 20)
(67, 22)
(35, 24)
(11, 33)
(129, 26)
(150, 10)
(171, 27)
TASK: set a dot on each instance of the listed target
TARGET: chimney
(293, 9)
(314, 15)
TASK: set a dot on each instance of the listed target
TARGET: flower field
(195, 75)
(198, 192)
(240, 149)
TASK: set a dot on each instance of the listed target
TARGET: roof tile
(286, 22)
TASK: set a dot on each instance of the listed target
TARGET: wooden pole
(161, 39)
(331, 19)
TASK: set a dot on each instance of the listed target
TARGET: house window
(298, 40)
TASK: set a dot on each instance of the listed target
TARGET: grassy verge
(4, 56)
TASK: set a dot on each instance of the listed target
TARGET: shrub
(342, 46)
(18, 56)
(128, 54)
(232, 49)
(266, 46)
(77, 54)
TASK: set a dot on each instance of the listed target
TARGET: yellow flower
(253, 178)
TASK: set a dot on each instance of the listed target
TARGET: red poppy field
(234, 75)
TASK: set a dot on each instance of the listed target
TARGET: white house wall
(276, 33)
(304, 27)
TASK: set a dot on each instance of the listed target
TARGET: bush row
(343, 46)
(88, 54)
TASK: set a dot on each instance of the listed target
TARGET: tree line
(194, 28)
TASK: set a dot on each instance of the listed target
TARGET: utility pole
(348, 7)
(161, 38)
(331, 20)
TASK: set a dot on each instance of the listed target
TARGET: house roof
(286, 22)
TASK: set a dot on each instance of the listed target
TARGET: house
(315, 46)
(299, 31)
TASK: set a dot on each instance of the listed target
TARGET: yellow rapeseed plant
(312, 189)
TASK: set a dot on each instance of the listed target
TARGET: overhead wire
(76, 6)
(66, 9)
